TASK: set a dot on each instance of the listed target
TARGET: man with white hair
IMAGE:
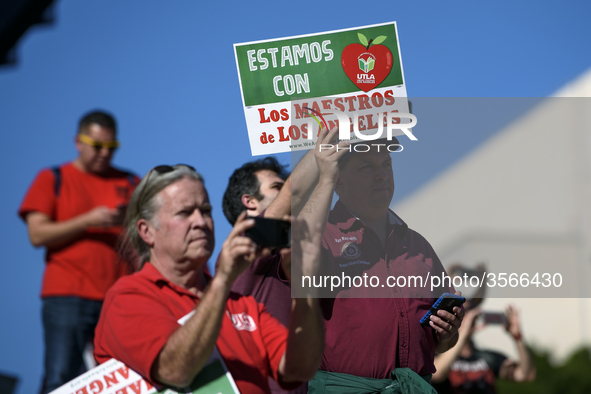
(169, 224)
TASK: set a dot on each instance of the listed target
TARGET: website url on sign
(490, 279)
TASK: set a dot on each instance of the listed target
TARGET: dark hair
(100, 118)
(244, 181)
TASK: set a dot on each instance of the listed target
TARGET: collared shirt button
(404, 344)
(402, 314)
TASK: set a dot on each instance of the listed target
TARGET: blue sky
(167, 71)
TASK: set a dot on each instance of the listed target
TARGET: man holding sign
(169, 224)
(374, 340)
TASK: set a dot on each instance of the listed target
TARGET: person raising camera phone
(169, 224)
(465, 369)
(262, 188)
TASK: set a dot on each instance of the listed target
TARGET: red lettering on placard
(305, 130)
(371, 125)
(294, 132)
(299, 111)
(262, 114)
(111, 379)
(316, 108)
(377, 100)
(136, 387)
(350, 101)
(284, 114)
(281, 136)
(395, 120)
(388, 94)
(364, 101)
(96, 386)
(361, 123)
(124, 372)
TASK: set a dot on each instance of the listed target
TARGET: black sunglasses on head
(161, 169)
(164, 168)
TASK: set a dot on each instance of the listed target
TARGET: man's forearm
(442, 347)
(445, 359)
(304, 178)
(45, 232)
(525, 371)
(295, 191)
(188, 349)
(317, 208)
(305, 343)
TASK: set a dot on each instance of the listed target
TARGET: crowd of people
(127, 305)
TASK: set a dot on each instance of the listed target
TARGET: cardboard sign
(350, 70)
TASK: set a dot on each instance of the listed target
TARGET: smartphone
(446, 302)
(493, 318)
(272, 233)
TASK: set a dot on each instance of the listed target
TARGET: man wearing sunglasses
(75, 211)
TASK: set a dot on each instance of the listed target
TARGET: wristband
(517, 337)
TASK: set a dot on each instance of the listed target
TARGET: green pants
(403, 381)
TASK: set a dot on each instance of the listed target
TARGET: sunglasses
(163, 169)
(160, 170)
(98, 145)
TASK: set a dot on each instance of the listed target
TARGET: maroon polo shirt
(264, 281)
(369, 337)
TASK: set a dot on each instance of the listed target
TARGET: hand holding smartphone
(446, 302)
(272, 233)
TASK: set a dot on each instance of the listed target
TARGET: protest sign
(287, 80)
(114, 377)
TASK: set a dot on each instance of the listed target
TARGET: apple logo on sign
(367, 65)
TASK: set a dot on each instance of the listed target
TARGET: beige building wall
(522, 203)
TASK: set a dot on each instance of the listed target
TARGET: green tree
(571, 377)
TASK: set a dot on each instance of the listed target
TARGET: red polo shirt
(369, 337)
(140, 313)
(263, 280)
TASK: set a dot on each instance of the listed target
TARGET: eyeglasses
(98, 145)
(162, 169)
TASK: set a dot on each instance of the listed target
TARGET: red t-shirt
(141, 312)
(371, 336)
(87, 267)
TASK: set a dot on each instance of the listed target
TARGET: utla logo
(367, 65)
